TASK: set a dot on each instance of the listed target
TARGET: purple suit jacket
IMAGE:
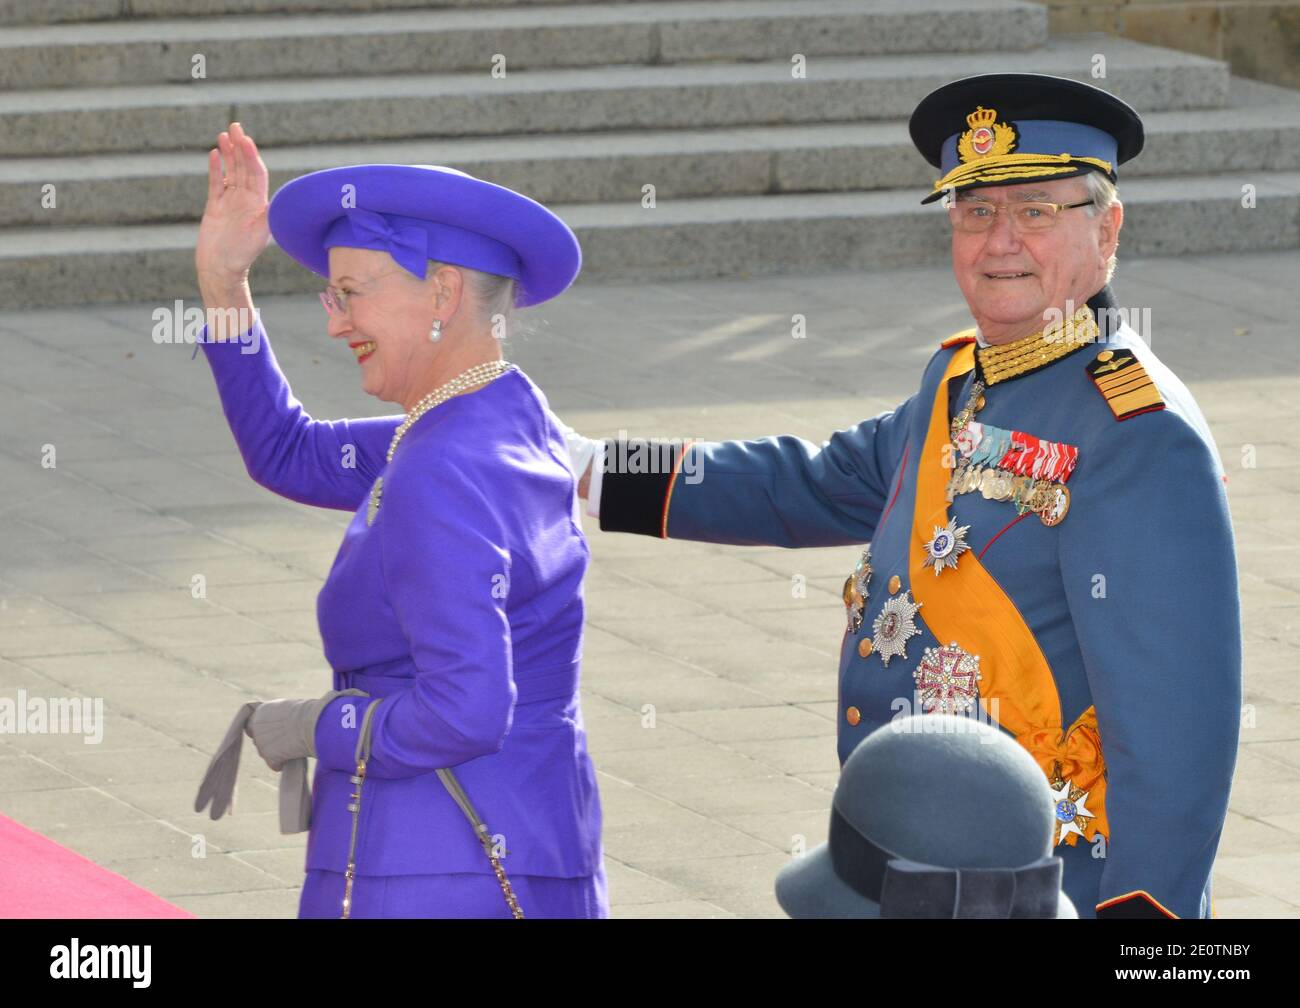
(461, 606)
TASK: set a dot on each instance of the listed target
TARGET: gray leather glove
(218, 785)
(285, 736)
(284, 732)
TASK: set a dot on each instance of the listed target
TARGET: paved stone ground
(98, 553)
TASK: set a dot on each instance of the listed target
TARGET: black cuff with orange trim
(635, 484)
(1140, 905)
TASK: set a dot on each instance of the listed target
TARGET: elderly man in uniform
(1047, 529)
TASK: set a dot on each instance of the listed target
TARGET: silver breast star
(894, 624)
(946, 545)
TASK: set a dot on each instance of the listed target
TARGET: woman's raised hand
(234, 230)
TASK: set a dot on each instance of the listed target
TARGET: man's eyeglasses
(973, 216)
(335, 299)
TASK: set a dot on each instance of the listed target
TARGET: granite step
(406, 106)
(682, 238)
(1259, 130)
(136, 52)
(29, 12)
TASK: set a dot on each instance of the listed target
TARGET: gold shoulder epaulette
(1124, 384)
(965, 336)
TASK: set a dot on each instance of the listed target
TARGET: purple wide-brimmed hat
(422, 212)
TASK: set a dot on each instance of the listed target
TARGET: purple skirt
(468, 894)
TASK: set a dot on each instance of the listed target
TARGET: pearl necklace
(479, 374)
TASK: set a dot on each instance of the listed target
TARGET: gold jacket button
(865, 646)
(1105, 355)
(853, 715)
(979, 403)
(895, 583)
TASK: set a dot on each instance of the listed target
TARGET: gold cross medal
(946, 545)
(855, 590)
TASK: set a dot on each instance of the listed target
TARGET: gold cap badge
(986, 137)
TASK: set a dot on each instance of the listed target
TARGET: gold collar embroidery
(1010, 360)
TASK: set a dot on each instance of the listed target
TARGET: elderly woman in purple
(452, 775)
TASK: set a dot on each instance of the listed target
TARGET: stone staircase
(754, 170)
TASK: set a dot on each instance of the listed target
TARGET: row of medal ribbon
(1010, 465)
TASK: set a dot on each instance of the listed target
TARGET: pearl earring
(435, 333)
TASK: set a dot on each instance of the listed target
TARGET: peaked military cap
(1007, 128)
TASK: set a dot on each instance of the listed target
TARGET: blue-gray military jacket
(1098, 624)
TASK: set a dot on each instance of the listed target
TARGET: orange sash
(966, 605)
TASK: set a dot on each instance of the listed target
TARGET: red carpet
(39, 878)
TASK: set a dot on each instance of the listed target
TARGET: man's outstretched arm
(774, 491)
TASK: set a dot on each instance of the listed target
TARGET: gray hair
(492, 295)
(1103, 193)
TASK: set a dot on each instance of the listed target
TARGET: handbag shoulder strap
(458, 795)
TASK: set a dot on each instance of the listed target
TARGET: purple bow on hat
(409, 246)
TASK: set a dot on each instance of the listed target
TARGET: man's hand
(582, 455)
